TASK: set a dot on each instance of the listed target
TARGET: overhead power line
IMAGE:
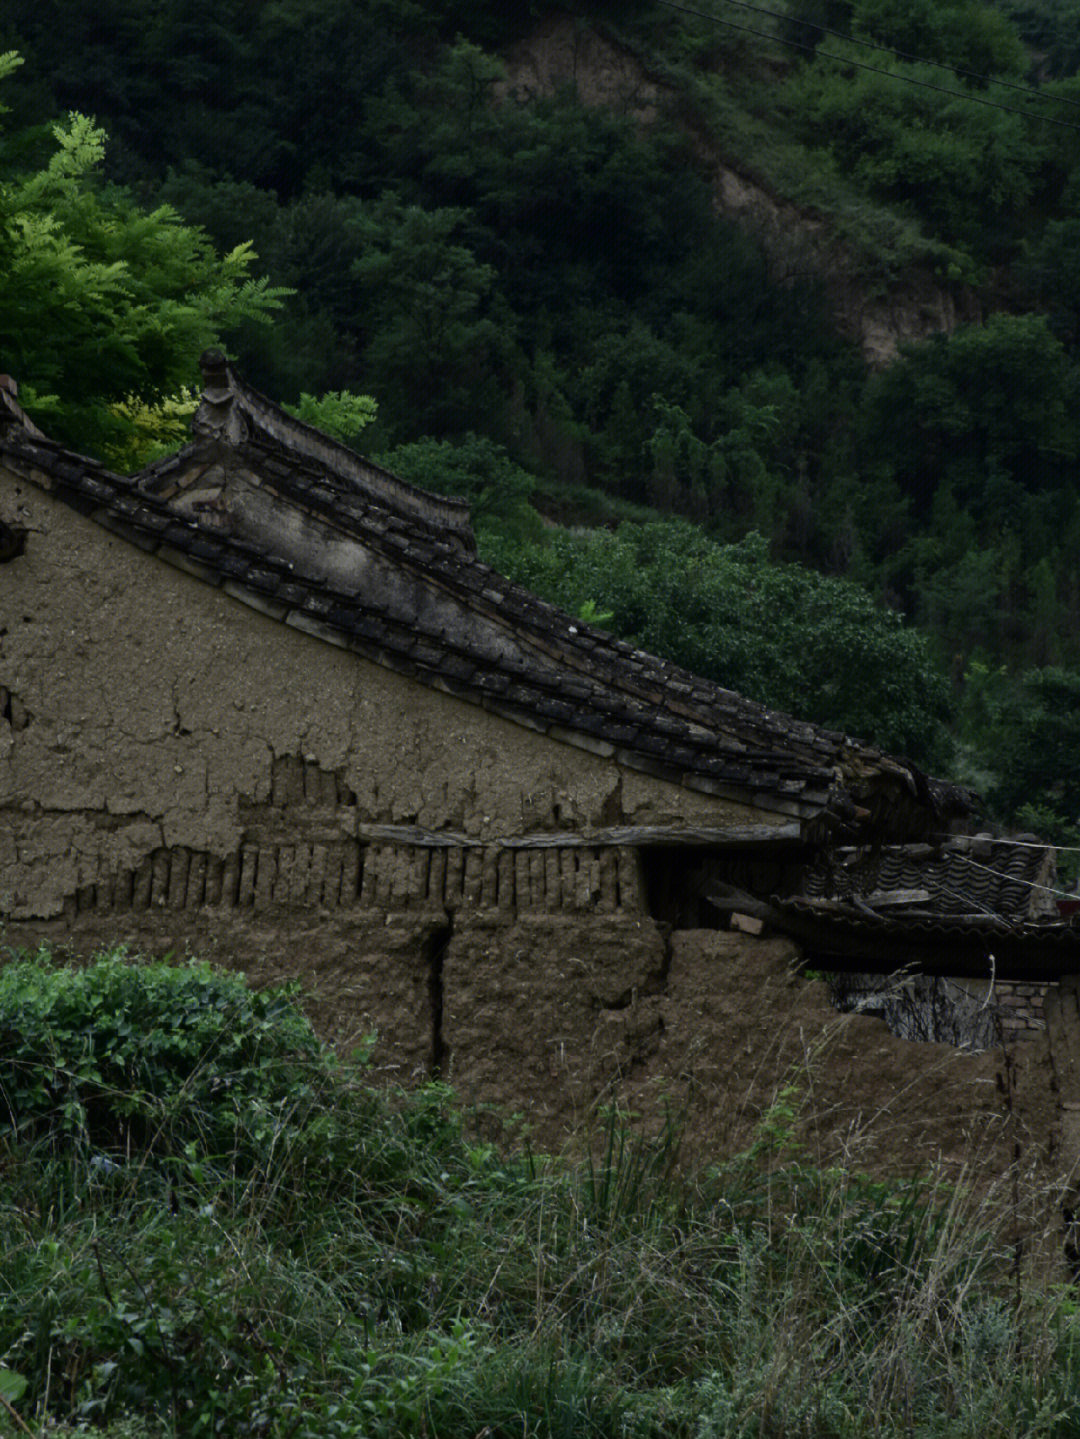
(873, 69)
(879, 45)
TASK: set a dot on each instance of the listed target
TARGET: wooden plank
(895, 898)
(713, 836)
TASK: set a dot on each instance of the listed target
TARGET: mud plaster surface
(158, 706)
(154, 713)
(548, 1018)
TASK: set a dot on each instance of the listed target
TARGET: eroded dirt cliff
(877, 315)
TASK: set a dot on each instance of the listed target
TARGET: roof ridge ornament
(231, 413)
(217, 378)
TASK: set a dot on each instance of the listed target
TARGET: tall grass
(344, 1262)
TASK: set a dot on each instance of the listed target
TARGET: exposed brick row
(377, 877)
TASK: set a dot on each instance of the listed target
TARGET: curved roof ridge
(418, 603)
(229, 405)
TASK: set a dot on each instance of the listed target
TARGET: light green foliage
(150, 430)
(160, 1056)
(101, 302)
(337, 413)
(814, 647)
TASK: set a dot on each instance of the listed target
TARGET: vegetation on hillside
(549, 313)
(213, 1227)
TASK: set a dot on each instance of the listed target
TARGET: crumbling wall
(143, 713)
(538, 993)
(1022, 1008)
(714, 1027)
(462, 960)
(186, 775)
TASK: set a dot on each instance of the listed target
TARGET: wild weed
(293, 1255)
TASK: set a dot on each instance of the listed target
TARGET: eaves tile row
(591, 690)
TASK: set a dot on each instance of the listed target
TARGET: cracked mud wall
(713, 1027)
(181, 773)
(144, 711)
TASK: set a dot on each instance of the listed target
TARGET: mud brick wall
(186, 775)
(434, 950)
(143, 712)
(1021, 1009)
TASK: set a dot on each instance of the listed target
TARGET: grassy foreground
(210, 1226)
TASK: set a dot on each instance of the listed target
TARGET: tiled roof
(974, 906)
(966, 876)
(516, 655)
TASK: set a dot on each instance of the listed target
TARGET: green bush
(801, 642)
(380, 1274)
(125, 1055)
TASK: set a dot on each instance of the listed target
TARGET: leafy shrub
(815, 647)
(379, 1273)
(151, 1056)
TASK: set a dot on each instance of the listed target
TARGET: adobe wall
(142, 710)
(550, 1012)
(185, 775)
(539, 984)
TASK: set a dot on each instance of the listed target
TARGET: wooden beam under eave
(734, 836)
(1020, 959)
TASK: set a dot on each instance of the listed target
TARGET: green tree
(815, 647)
(1051, 269)
(102, 302)
(1035, 746)
(425, 301)
(338, 413)
(477, 470)
(994, 395)
(960, 167)
(972, 36)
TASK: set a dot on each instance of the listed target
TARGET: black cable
(901, 54)
(873, 69)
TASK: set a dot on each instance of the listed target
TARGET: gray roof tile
(552, 669)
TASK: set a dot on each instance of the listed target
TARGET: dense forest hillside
(801, 277)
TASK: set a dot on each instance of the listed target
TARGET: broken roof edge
(11, 412)
(229, 407)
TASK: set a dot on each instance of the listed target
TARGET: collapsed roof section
(288, 521)
(974, 907)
